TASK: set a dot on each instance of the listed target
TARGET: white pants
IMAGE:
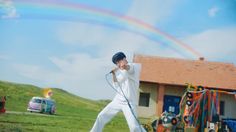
(111, 110)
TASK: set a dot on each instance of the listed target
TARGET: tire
(189, 102)
(52, 111)
(174, 121)
(189, 95)
(42, 111)
(186, 119)
(200, 88)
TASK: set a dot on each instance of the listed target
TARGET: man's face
(122, 63)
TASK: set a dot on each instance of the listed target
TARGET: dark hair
(117, 57)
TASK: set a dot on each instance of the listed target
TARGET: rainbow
(89, 14)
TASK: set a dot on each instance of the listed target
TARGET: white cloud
(82, 34)
(213, 11)
(110, 40)
(4, 57)
(34, 72)
(113, 40)
(9, 8)
(151, 11)
(214, 43)
(77, 73)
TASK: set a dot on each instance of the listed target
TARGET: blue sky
(60, 47)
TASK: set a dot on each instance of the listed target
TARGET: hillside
(73, 113)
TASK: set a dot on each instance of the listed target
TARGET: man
(126, 81)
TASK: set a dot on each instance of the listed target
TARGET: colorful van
(42, 105)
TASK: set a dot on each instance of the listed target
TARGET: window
(144, 99)
(222, 108)
(37, 100)
(171, 104)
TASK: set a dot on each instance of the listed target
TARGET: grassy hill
(73, 113)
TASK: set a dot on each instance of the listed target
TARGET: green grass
(73, 113)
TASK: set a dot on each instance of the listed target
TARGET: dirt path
(27, 113)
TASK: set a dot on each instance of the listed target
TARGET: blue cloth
(231, 124)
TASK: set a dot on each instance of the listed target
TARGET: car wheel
(174, 121)
(42, 111)
(52, 111)
(189, 102)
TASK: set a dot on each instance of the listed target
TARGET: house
(163, 82)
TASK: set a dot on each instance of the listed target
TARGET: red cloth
(3, 110)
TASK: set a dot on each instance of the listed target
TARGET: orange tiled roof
(181, 71)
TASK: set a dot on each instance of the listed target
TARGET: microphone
(114, 70)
